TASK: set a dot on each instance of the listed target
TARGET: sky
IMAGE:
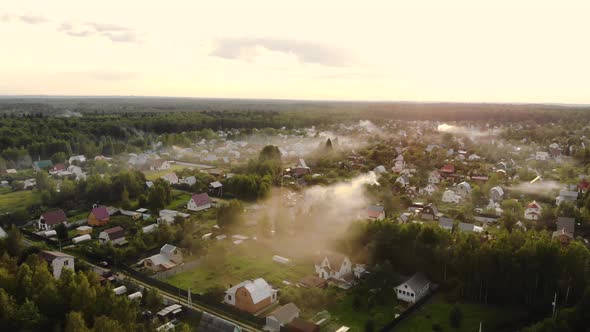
(452, 50)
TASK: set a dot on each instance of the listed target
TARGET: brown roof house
(199, 202)
(565, 230)
(49, 220)
(57, 261)
(115, 235)
(281, 317)
(334, 266)
(300, 325)
(99, 216)
(251, 296)
(169, 257)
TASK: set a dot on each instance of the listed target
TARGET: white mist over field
(544, 188)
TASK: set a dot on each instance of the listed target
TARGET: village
(264, 247)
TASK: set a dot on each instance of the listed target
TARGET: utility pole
(554, 303)
(189, 298)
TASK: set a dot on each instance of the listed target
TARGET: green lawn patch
(18, 200)
(436, 311)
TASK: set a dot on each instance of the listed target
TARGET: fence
(195, 297)
(389, 327)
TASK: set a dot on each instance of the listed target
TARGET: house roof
(286, 313)
(168, 249)
(301, 164)
(432, 207)
(51, 255)
(115, 232)
(583, 184)
(259, 290)
(448, 168)
(301, 325)
(562, 232)
(499, 190)
(43, 163)
(567, 223)
(211, 323)
(216, 184)
(445, 222)
(59, 167)
(100, 212)
(465, 227)
(335, 260)
(533, 205)
(160, 259)
(374, 211)
(568, 193)
(201, 199)
(465, 184)
(417, 281)
(54, 217)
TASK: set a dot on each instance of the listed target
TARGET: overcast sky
(451, 50)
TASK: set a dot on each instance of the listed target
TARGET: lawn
(436, 311)
(345, 314)
(18, 200)
(179, 200)
(153, 175)
(229, 264)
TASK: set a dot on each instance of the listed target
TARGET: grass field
(344, 314)
(18, 200)
(229, 264)
(436, 311)
(152, 175)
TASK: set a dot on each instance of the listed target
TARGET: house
(169, 257)
(83, 230)
(497, 194)
(190, 180)
(300, 325)
(450, 196)
(567, 225)
(583, 186)
(446, 223)
(566, 196)
(405, 217)
(375, 212)
(216, 188)
(42, 164)
(168, 216)
(413, 289)
(333, 266)
(160, 165)
(57, 168)
(555, 150)
(434, 177)
(301, 168)
(57, 261)
(447, 170)
(494, 206)
(115, 235)
(403, 180)
(251, 296)
(11, 171)
(429, 212)
(281, 316)
(469, 228)
(463, 189)
(78, 159)
(473, 157)
(399, 164)
(533, 211)
(171, 178)
(99, 216)
(211, 323)
(199, 202)
(429, 189)
(542, 155)
(49, 220)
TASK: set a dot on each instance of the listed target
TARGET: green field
(344, 314)
(18, 200)
(436, 311)
(229, 264)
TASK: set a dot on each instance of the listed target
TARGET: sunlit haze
(457, 50)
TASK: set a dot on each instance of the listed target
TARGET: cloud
(26, 18)
(305, 52)
(116, 33)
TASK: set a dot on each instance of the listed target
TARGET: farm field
(18, 200)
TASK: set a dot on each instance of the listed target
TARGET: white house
(251, 296)
(190, 180)
(434, 177)
(495, 206)
(413, 289)
(463, 189)
(115, 235)
(450, 196)
(281, 316)
(57, 261)
(429, 189)
(533, 211)
(399, 164)
(199, 202)
(403, 180)
(171, 178)
(80, 158)
(497, 194)
(333, 266)
(169, 215)
(169, 257)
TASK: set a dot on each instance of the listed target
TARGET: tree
(152, 299)
(228, 215)
(75, 322)
(105, 324)
(370, 326)
(14, 242)
(270, 152)
(455, 316)
(62, 231)
(125, 198)
(328, 146)
(59, 158)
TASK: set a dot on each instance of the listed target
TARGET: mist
(542, 188)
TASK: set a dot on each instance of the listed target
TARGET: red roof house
(99, 216)
(49, 220)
